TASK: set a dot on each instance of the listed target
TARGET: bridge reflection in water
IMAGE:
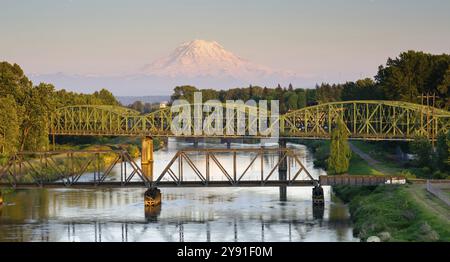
(204, 215)
(150, 229)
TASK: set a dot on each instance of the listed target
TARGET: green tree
(138, 106)
(444, 89)
(9, 125)
(340, 152)
(311, 96)
(292, 100)
(301, 98)
(423, 150)
(412, 74)
(106, 98)
(184, 92)
(448, 146)
(209, 94)
(265, 93)
(13, 82)
(441, 154)
(328, 93)
(38, 103)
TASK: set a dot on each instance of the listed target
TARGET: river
(186, 214)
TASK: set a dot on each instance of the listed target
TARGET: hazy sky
(335, 40)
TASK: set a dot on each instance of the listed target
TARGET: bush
(426, 171)
(134, 151)
(427, 234)
(439, 175)
(407, 174)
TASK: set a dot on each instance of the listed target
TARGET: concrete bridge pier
(282, 169)
(147, 157)
(152, 197)
(317, 196)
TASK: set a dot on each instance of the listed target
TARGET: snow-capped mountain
(201, 63)
(200, 58)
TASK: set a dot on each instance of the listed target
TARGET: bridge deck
(162, 184)
(323, 180)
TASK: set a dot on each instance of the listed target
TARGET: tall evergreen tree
(340, 152)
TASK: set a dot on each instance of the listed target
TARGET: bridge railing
(335, 180)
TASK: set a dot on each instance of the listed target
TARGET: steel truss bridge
(31, 169)
(367, 120)
(66, 168)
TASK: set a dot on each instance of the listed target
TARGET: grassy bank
(394, 213)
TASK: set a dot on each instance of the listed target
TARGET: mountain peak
(202, 43)
(200, 58)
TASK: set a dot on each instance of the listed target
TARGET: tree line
(404, 78)
(25, 109)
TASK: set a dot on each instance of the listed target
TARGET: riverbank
(393, 213)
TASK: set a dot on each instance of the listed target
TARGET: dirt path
(372, 162)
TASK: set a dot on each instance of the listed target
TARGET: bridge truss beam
(232, 177)
(368, 120)
(65, 168)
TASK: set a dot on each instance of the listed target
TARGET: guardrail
(361, 180)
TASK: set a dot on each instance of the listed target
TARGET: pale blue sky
(334, 40)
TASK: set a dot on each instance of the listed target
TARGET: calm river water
(186, 214)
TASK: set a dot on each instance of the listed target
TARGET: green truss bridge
(366, 120)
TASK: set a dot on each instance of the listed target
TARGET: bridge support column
(152, 197)
(282, 169)
(317, 196)
(147, 157)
